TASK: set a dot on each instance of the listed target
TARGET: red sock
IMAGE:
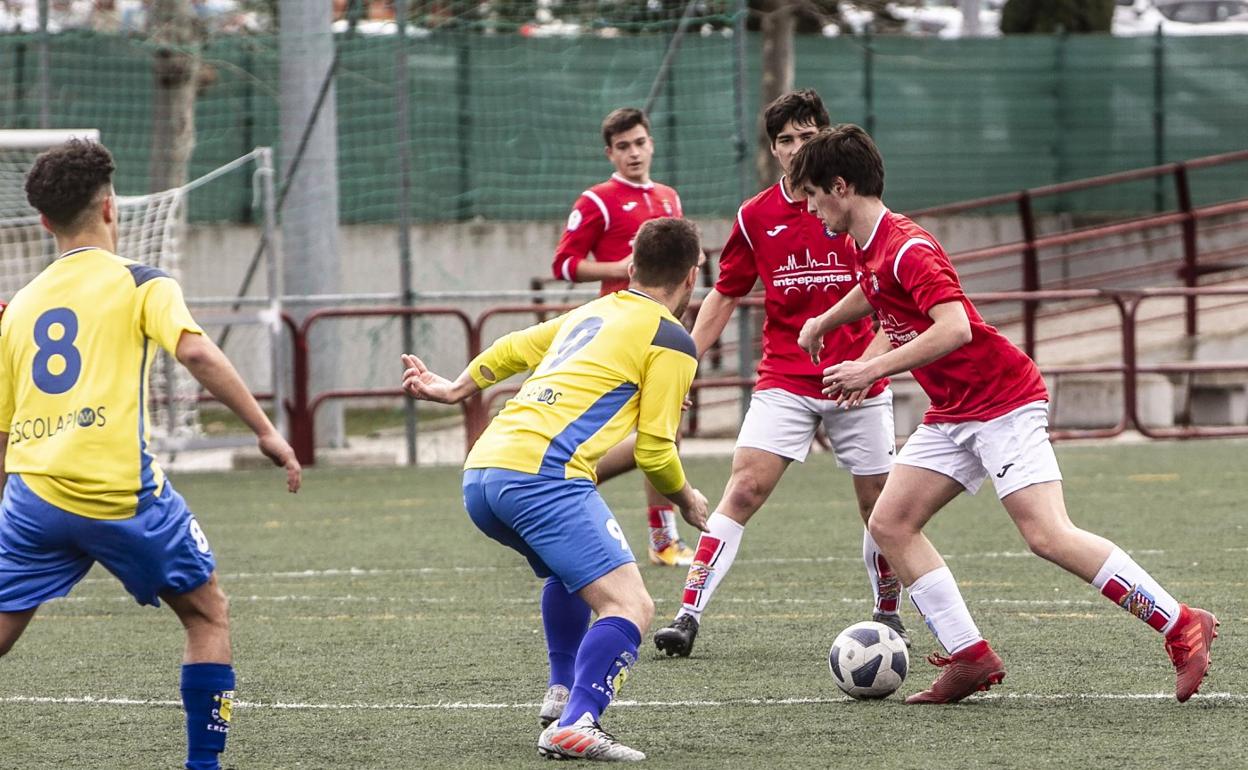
(656, 516)
(889, 586)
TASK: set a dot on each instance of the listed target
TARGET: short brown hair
(664, 251)
(65, 180)
(621, 120)
(803, 107)
(845, 151)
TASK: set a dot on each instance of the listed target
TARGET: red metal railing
(303, 405)
(1189, 269)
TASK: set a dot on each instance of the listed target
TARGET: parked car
(1181, 17)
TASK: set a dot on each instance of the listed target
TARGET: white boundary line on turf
(349, 598)
(90, 700)
(384, 571)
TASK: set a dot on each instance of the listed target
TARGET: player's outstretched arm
(950, 330)
(589, 270)
(422, 383)
(852, 306)
(712, 319)
(213, 370)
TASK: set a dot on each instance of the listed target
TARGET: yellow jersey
(75, 351)
(614, 365)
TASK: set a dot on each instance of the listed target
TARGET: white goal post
(152, 230)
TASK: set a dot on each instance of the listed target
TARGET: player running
(804, 271)
(603, 222)
(619, 364)
(988, 417)
(76, 345)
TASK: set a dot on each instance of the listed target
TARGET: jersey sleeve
(164, 314)
(738, 271)
(669, 368)
(7, 403)
(512, 353)
(927, 276)
(586, 224)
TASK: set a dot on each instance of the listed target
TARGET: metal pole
(43, 88)
(868, 80)
(1190, 271)
(405, 210)
(738, 86)
(669, 56)
(1031, 273)
(1159, 115)
(265, 172)
(463, 79)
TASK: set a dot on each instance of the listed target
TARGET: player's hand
(423, 384)
(696, 511)
(274, 447)
(848, 376)
(687, 404)
(811, 340)
(848, 399)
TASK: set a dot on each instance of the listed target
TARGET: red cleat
(966, 672)
(1187, 644)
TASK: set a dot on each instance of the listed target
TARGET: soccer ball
(868, 661)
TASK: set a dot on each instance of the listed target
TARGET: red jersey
(905, 273)
(804, 271)
(604, 221)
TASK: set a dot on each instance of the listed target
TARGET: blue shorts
(562, 526)
(45, 550)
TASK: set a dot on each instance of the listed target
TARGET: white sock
(669, 525)
(716, 550)
(1125, 583)
(886, 590)
(937, 598)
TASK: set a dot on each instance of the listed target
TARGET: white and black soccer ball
(868, 661)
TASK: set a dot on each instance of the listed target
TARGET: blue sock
(207, 698)
(603, 663)
(566, 619)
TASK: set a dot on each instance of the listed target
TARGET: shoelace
(940, 661)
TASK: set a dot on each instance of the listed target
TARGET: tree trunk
(176, 67)
(778, 23)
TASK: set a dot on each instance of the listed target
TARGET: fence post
(745, 346)
(868, 80)
(302, 427)
(463, 82)
(1190, 269)
(1031, 272)
(1159, 115)
(741, 140)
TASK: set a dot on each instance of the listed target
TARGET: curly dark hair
(845, 151)
(65, 180)
(803, 107)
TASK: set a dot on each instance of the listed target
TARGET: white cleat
(553, 703)
(584, 739)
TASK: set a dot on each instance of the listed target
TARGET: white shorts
(784, 424)
(1014, 449)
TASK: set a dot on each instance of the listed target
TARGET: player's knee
(745, 493)
(1045, 542)
(884, 526)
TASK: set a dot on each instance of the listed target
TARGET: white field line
(352, 599)
(369, 572)
(90, 700)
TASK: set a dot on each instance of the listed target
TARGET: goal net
(152, 230)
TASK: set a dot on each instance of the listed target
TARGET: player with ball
(989, 417)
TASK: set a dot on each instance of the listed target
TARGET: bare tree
(172, 25)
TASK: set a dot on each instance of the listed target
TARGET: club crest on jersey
(1139, 603)
(574, 220)
(875, 283)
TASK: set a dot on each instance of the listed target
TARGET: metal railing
(303, 404)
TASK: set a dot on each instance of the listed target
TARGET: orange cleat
(966, 672)
(1188, 644)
